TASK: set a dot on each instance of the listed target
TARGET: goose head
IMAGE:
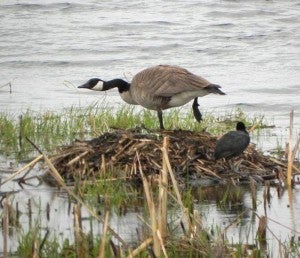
(93, 84)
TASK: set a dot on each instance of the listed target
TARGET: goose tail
(214, 88)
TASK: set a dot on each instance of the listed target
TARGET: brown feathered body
(160, 87)
(164, 86)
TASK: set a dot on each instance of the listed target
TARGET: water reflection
(239, 217)
(230, 209)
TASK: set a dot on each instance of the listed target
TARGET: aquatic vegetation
(186, 236)
(171, 221)
(49, 130)
(35, 243)
(112, 193)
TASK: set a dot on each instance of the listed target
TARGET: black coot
(232, 143)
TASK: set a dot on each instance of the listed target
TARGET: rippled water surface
(250, 48)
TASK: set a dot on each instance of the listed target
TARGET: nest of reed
(121, 153)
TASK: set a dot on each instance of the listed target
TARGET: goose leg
(160, 118)
(196, 111)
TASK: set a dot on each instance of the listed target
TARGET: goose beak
(84, 86)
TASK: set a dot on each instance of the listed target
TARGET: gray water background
(250, 48)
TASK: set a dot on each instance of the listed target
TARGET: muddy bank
(118, 153)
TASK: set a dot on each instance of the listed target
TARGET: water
(60, 219)
(250, 48)
(239, 221)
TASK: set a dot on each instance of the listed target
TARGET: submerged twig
(29, 165)
(44, 240)
(9, 84)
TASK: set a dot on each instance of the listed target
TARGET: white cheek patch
(98, 86)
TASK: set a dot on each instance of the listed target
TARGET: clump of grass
(117, 195)
(8, 136)
(232, 197)
(34, 244)
(227, 121)
(50, 129)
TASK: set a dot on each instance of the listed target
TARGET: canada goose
(159, 88)
(232, 143)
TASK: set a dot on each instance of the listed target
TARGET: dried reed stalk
(197, 223)
(163, 194)
(284, 165)
(291, 200)
(35, 249)
(151, 208)
(81, 249)
(262, 231)
(208, 171)
(253, 127)
(161, 241)
(77, 158)
(290, 151)
(5, 221)
(184, 210)
(103, 239)
(55, 173)
(296, 148)
(103, 164)
(122, 150)
(253, 193)
(141, 247)
(29, 165)
(266, 196)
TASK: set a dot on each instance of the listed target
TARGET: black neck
(119, 83)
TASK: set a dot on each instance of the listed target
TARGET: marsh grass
(37, 243)
(117, 195)
(205, 240)
(43, 247)
(50, 129)
(109, 193)
(231, 197)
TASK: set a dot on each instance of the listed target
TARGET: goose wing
(166, 81)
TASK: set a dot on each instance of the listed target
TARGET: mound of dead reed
(190, 154)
